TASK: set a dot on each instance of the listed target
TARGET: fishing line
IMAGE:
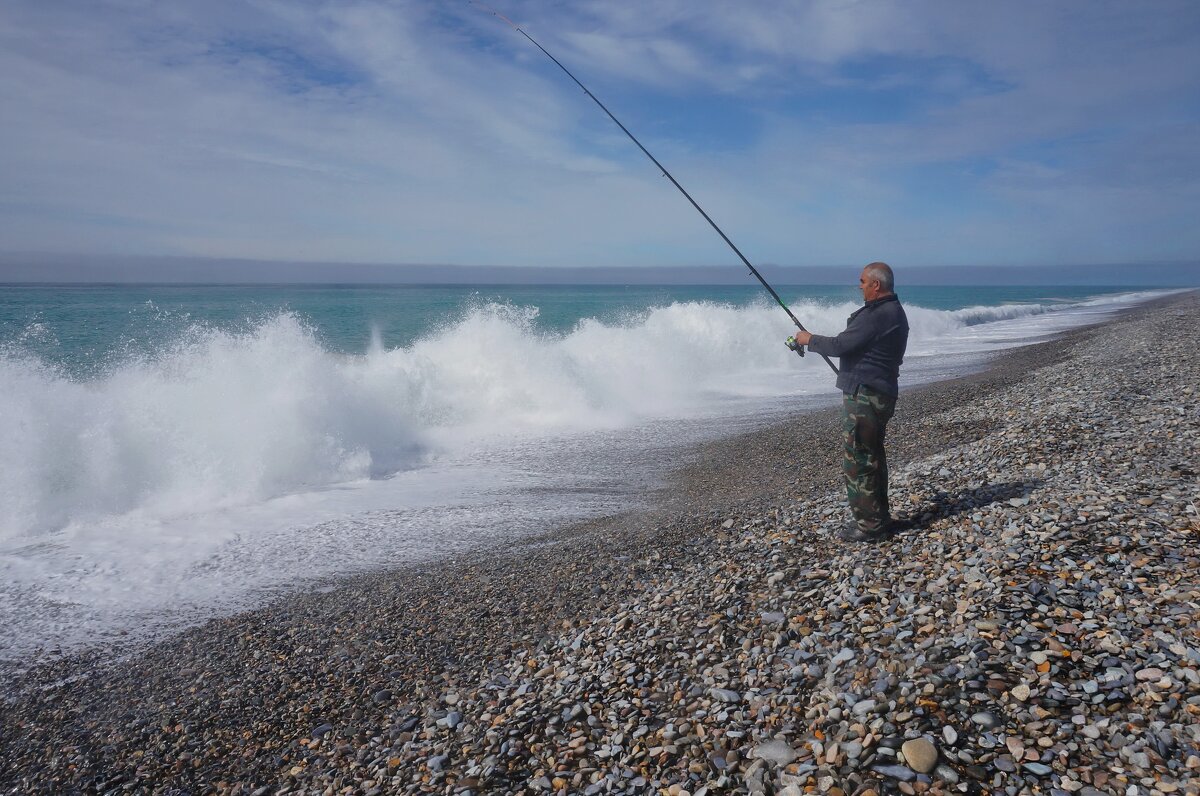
(798, 349)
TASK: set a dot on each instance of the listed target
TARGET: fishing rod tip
(493, 12)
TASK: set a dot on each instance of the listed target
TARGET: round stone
(921, 754)
(986, 720)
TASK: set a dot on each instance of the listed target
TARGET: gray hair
(881, 273)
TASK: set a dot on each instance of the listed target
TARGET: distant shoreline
(53, 269)
(467, 285)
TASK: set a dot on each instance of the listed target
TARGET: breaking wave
(219, 418)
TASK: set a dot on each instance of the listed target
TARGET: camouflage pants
(865, 417)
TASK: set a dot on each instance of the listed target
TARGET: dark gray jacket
(872, 347)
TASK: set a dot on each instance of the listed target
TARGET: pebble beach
(1036, 631)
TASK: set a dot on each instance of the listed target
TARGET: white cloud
(418, 131)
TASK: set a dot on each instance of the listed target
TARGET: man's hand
(802, 338)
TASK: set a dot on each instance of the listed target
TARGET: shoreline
(653, 504)
(61, 623)
(384, 650)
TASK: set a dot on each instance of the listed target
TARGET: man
(871, 350)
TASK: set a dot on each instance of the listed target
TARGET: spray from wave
(216, 419)
(220, 418)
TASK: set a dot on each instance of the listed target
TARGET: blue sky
(822, 133)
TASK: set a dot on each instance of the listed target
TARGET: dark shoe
(852, 533)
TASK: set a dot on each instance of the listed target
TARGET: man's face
(868, 286)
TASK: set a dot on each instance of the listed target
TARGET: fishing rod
(791, 342)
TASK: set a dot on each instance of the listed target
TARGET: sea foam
(190, 477)
(219, 418)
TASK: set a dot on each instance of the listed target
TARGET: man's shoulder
(890, 310)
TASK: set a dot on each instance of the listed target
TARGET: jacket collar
(882, 300)
(871, 304)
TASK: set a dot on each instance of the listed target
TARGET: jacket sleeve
(858, 335)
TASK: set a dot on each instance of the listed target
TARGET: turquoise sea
(86, 328)
(171, 453)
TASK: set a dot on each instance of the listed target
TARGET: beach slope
(1038, 631)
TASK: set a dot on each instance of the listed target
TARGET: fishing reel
(793, 345)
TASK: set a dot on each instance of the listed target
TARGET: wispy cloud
(926, 132)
